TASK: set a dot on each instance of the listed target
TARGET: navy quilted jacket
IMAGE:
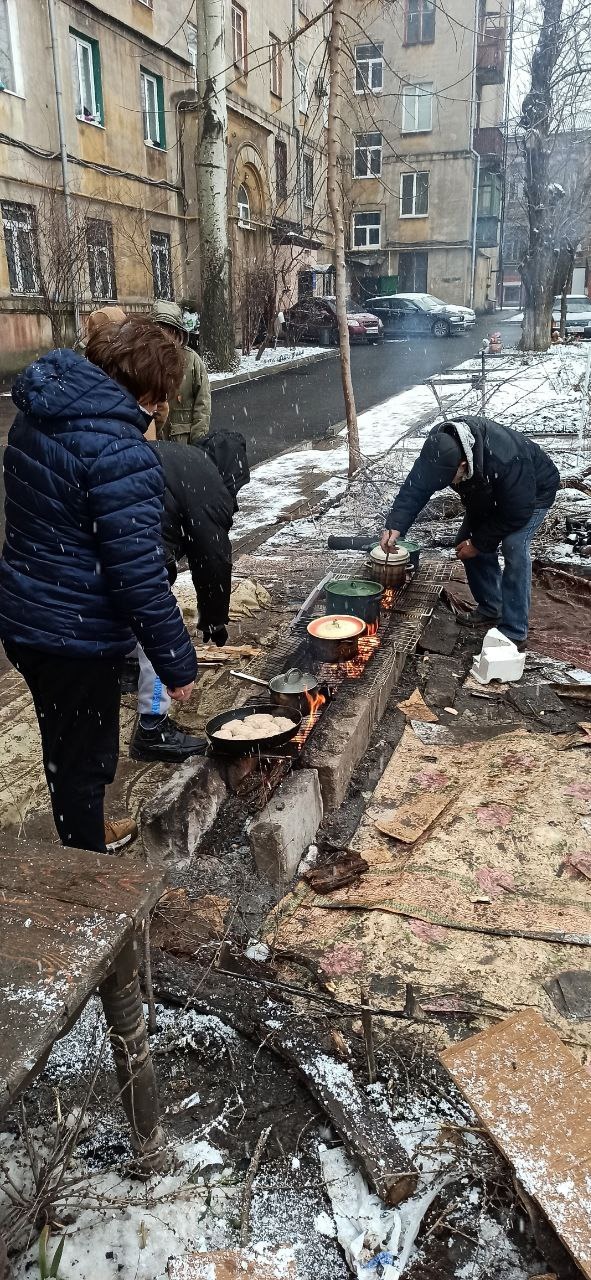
(83, 569)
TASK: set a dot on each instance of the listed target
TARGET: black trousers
(77, 704)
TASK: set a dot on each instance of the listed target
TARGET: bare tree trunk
(538, 269)
(217, 330)
(338, 221)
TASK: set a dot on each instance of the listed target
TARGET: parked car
(315, 320)
(412, 314)
(467, 312)
(578, 314)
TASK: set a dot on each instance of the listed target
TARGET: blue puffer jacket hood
(83, 571)
(65, 387)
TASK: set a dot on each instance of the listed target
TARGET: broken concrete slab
(280, 834)
(176, 818)
(534, 1098)
(440, 636)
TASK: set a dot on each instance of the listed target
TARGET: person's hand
(183, 693)
(389, 539)
(466, 550)
(219, 635)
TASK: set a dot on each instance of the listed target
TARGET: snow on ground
(271, 356)
(545, 395)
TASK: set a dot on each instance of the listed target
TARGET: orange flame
(315, 702)
(388, 599)
(372, 629)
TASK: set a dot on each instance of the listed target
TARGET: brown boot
(119, 834)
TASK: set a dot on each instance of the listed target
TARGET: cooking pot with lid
(389, 567)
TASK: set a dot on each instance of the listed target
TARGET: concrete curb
(284, 366)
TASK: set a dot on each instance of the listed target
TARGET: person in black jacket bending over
(199, 506)
(507, 485)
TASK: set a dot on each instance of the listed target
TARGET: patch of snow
(271, 356)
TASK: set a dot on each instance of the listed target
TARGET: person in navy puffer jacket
(83, 572)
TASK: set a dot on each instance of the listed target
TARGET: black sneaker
(166, 742)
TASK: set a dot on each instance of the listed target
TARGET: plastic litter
(499, 659)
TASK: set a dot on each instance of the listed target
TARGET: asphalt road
(277, 412)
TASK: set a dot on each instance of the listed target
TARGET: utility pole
(217, 330)
(57, 77)
(335, 201)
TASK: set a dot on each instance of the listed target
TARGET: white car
(467, 312)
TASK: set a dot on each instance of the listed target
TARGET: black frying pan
(254, 746)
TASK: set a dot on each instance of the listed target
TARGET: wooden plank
(534, 1098)
(77, 876)
(52, 955)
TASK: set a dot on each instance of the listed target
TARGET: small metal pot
(292, 690)
(359, 597)
(337, 649)
(391, 570)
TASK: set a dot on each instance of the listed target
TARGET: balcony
(487, 231)
(490, 146)
(491, 52)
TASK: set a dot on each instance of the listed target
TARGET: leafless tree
(560, 80)
(62, 264)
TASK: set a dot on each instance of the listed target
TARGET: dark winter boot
(165, 742)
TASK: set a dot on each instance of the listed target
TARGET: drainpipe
(63, 151)
(507, 108)
(295, 110)
(474, 154)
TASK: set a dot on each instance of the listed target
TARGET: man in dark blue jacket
(83, 573)
(507, 485)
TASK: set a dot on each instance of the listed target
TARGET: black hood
(227, 449)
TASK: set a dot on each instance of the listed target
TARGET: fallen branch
(253, 1169)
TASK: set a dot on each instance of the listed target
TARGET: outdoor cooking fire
(368, 645)
(315, 702)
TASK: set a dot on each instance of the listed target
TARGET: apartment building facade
(423, 147)
(126, 79)
(125, 75)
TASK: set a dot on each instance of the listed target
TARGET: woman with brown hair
(83, 572)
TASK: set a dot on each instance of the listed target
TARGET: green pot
(413, 549)
(357, 597)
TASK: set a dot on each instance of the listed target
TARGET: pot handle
(241, 675)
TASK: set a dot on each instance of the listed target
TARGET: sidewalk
(274, 360)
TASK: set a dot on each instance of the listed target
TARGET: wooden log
(305, 1044)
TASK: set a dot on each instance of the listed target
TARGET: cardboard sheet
(407, 822)
(534, 1098)
(233, 1264)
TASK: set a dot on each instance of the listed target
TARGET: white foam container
(499, 659)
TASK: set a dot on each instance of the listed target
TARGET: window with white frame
(276, 64)
(420, 22)
(8, 75)
(86, 69)
(161, 265)
(239, 54)
(101, 260)
(417, 108)
(414, 195)
(152, 96)
(304, 95)
(367, 230)
(20, 239)
(243, 207)
(368, 155)
(369, 68)
(308, 181)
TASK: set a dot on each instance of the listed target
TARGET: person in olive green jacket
(190, 412)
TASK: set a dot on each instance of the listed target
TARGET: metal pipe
(63, 152)
(474, 230)
(474, 153)
(507, 107)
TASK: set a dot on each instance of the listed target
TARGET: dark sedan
(408, 315)
(315, 320)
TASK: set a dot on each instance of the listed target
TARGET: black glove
(219, 635)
